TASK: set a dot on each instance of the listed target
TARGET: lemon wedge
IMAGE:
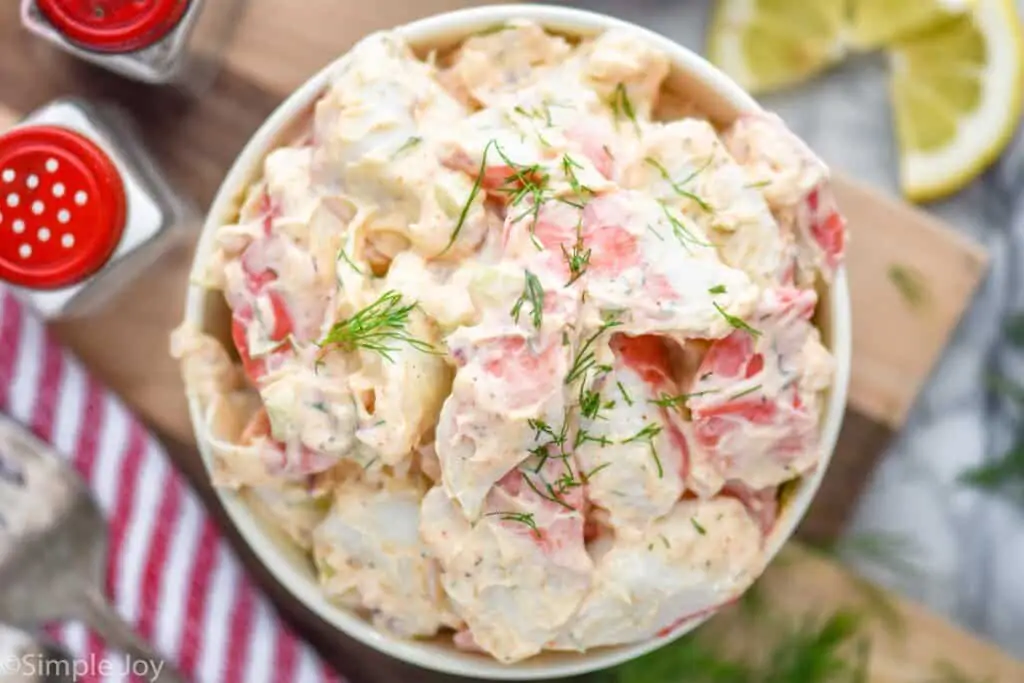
(875, 23)
(956, 92)
(770, 44)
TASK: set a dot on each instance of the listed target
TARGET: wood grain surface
(896, 341)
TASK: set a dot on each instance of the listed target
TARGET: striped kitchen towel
(171, 573)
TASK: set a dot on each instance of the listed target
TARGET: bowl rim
(433, 30)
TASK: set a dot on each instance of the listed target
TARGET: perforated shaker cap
(114, 25)
(62, 207)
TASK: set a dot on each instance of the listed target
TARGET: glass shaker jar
(155, 41)
(83, 207)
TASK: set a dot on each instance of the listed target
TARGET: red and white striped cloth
(171, 574)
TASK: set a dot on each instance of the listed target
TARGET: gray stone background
(968, 545)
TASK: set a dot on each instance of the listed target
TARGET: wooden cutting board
(911, 279)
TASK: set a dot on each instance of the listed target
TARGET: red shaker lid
(114, 25)
(62, 207)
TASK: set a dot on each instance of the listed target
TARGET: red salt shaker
(83, 207)
(155, 41)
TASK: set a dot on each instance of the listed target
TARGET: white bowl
(722, 100)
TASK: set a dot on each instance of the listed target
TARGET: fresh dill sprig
(542, 113)
(585, 358)
(343, 256)
(1014, 330)
(554, 439)
(622, 106)
(833, 650)
(533, 293)
(550, 495)
(577, 259)
(745, 392)
(1004, 475)
(698, 526)
(677, 187)
(910, 284)
(542, 428)
(625, 394)
(590, 403)
(647, 434)
(1006, 387)
(587, 476)
(717, 289)
(668, 401)
(682, 232)
(583, 436)
(520, 517)
(565, 483)
(568, 167)
(407, 145)
(815, 654)
(524, 182)
(656, 233)
(737, 323)
(477, 184)
(377, 328)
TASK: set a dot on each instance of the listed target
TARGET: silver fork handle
(100, 615)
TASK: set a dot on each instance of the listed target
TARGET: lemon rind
(984, 133)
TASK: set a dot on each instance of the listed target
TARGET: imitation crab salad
(519, 359)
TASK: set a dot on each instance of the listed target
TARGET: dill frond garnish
(1014, 330)
(550, 495)
(622, 106)
(407, 145)
(477, 184)
(698, 526)
(667, 401)
(647, 434)
(745, 392)
(625, 394)
(520, 517)
(590, 403)
(717, 289)
(378, 327)
(737, 323)
(578, 259)
(677, 187)
(681, 232)
(533, 293)
(910, 284)
(587, 476)
(585, 358)
(343, 256)
(568, 167)
(1005, 474)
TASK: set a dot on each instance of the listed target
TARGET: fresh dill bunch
(378, 328)
(832, 650)
(1005, 475)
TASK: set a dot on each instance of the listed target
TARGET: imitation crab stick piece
(757, 400)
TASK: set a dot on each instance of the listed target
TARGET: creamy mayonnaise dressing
(517, 362)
